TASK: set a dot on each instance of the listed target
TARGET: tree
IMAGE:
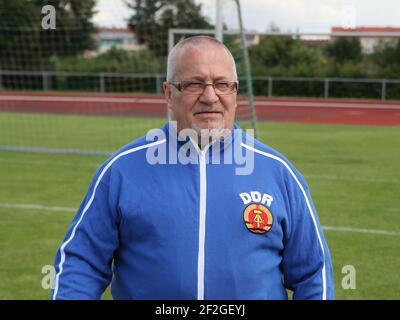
(386, 59)
(345, 49)
(281, 55)
(387, 53)
(19, 29)
(153, 18)
(25, 45)
(74, 32)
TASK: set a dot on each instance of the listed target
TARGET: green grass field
(353, 173)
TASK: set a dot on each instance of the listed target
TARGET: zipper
(202, 225)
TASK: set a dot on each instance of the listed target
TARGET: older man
(189, 227)
(202, 85)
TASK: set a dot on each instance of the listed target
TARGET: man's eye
(222, 85)
(193, 86)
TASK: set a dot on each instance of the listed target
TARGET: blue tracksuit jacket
(196, 230)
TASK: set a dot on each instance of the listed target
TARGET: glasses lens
(193, 87)
(198, 87)
(224, 87)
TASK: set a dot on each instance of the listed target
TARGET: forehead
(204, 61)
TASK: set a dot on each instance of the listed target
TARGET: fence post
(158, 84)
(269, 86)
(383, 89)
(45, 81)
(102, 83)
(326, 88)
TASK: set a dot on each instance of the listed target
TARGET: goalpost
(56, 98)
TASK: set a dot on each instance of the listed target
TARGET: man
(186, 226)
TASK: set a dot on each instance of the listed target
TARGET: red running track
(329, 111)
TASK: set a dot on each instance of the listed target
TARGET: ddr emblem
(258, 218)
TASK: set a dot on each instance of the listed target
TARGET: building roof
(366, 29)
(377, 32)
(315, 42)
(115, 30)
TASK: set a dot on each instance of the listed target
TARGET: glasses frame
(179, 86)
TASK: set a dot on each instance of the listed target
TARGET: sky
(288, 15)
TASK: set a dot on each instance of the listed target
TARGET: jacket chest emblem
(257, 217)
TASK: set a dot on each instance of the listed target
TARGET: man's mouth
(205, 113)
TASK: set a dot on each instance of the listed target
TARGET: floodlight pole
(219, 24)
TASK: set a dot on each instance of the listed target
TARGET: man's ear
(167, 92)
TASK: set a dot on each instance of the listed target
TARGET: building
(252, 38)
(369, 42)
(315, 42)
(119, 38)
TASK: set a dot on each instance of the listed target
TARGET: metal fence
(327, 87)
(384, 89)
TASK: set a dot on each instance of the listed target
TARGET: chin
(211, 130)
(209, 125)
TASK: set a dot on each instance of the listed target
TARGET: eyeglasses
(197, 88)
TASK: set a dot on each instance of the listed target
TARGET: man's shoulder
(134, 146)
(273, 157)
(263, 149)
(135, 149)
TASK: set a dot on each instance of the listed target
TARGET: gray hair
(193, 42)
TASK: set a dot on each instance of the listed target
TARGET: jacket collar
(213, 148)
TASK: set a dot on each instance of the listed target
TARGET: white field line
(356, 179)
(393, 209)
(50, 163)
(95, 165)
(81, 99)
(264, 103)
(27, 206)
(356, 230)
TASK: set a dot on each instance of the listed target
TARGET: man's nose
(209, 96)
